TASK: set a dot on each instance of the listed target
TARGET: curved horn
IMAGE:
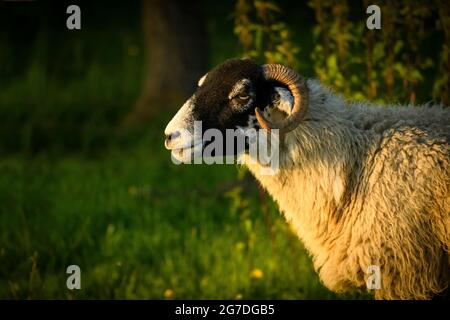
(297, 85)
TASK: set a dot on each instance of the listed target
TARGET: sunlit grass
(140, 227)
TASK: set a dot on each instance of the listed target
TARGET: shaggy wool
(369, 185)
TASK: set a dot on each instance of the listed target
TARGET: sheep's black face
(225, 99)
(228, 95)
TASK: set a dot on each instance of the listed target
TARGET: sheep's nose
(170, 138)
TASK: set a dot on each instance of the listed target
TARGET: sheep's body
(362, 185)
(369, 186)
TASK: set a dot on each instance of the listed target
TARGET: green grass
(137, 225)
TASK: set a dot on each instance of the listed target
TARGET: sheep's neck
(312, 187)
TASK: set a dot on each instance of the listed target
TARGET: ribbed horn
(297, 85)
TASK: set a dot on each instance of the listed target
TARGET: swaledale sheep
(362, 185)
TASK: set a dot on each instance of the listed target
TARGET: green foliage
(393, 58)
(397, 63)
(335, 37)
(263, 36)
(441, 86)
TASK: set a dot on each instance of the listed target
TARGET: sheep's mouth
(189, 153)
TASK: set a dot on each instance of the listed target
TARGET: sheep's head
(238, 94)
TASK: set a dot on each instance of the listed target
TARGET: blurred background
(85, 178)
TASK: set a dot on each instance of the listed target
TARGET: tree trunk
(175, 55)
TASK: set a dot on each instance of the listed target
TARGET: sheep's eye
(243, 96)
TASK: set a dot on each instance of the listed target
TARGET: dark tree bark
(175, 55)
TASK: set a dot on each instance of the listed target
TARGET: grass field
(140, 227)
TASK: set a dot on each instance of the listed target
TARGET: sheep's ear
(285, 102)
(201, 80)
(282, 106)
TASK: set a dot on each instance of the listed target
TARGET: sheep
(362, 185)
